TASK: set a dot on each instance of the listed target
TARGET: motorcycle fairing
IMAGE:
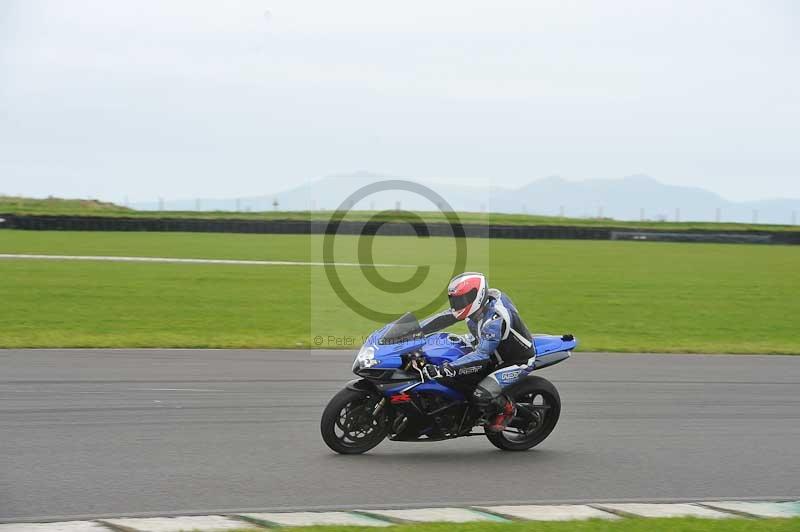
(548, 343)
(438, 348)
(418, 386)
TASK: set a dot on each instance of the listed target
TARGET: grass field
(57, 206)
(594, 525)
(615, 296)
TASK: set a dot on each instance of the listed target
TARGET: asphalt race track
(124, 432)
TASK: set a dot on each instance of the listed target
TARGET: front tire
(348, 426)
(538, 409)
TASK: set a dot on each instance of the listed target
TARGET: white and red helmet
(467, 293)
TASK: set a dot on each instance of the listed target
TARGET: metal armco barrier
(305, 227)
(722, 238)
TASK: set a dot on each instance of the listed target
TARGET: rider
(499, 336)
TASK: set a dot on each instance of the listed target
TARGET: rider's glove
(432, 371)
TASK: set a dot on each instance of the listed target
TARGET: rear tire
(523, 432)
(347, 424)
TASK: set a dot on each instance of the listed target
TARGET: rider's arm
(490, 334)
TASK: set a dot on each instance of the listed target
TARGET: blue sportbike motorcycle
(393, 399)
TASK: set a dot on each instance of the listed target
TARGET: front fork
(379, 407)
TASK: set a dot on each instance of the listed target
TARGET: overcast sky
(224, 99)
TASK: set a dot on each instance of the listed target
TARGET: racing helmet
(467, 293)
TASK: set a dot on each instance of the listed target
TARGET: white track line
(435, 515)
(665, 510)
(192, 261)
(524, 512)
(552, 512)
(207, 523)
(314, 519)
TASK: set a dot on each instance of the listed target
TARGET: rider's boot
(490, 400)
(499, 422)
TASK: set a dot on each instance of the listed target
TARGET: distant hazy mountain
(639, 196)
(623, 199)
(628, 198)
(330, 192)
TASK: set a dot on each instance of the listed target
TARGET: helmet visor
(464, 300)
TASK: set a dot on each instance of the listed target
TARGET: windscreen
(405, 328)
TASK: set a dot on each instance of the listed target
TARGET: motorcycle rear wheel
(538, 409)
(348, 426)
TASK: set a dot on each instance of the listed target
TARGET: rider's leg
(492, 402)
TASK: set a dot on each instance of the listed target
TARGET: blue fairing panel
(389, 362)
(546, 343)
(441, 348)
(390, 355)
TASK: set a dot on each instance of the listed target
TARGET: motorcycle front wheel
(538, 409)
(348, 426)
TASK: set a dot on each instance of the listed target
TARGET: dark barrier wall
(304, 227)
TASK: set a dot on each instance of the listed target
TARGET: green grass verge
(66, 207)
(594, 525)
(615, 296)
